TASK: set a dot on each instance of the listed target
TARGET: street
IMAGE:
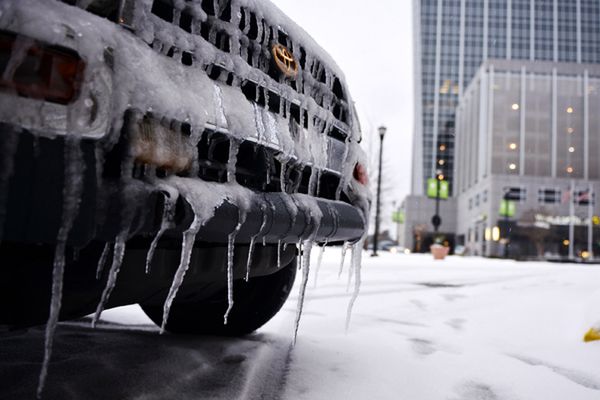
(462, 328)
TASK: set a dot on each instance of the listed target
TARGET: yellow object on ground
(591, 335)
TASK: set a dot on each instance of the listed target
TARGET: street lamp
(382, 130)
(436, 221)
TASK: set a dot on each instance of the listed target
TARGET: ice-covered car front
(176, 154)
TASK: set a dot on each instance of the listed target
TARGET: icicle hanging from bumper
(356, 261)
(118, 253)
(187, 246)
(72, 192)
(102, 260)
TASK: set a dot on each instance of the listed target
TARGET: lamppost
(506, 214)
(436, 220)
(382, 130)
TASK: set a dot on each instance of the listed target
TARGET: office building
(528, 139)
(452, 39)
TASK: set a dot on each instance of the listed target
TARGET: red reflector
(39, 71)
(360, 174)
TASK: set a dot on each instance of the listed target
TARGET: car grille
(255, 48)
(258, 166)
(217, 27)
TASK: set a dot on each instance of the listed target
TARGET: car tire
(255, 303)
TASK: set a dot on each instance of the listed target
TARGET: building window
(549, 196)
(515, 193)
(485, 196)
(584, 197)
(470, 204)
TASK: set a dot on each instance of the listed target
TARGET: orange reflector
(162, 146)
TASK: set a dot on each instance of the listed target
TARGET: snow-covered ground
(462, 328)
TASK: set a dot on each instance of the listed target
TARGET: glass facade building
(454, 37)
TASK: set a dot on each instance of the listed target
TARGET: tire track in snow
(574, 376)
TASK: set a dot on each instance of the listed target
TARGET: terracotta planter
(439, 252)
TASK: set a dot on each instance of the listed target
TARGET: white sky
(371, 41)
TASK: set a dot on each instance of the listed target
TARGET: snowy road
(464, 328)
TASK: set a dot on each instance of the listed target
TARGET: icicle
(312, 181)
(356, 266)
(258, 120)
(264, 241)
(72, 191)
(318, 189)
(164, 225)
(102, 261)
(230, 249)
(187, 246)
(350, 271)
(282, 176)
(118, 252)
(305, 271)
(300, 254)
(55, 303)
(319, 261)
(260, 30)
(234, 148)
(263, 224)
(249, 261)
(279, 254)
(344, 249)
(285, 245)
(221, 119)
(338, 191)
(268, 169)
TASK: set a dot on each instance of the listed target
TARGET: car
(182, 155)
(385, 245)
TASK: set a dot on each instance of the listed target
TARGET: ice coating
(234, 148)
(312, 211)
(18, 54)
(150, 77)
(319, 261)
(139, 73)
(204, 198)
(170, 196)
(350, 270)
(249, 260)
(118, 253)
(72, 190)
(279, 254)
(102, 260)
(305, 271)
(230, 252)
(186, 253)
(356, 261)
(343, 258)
(252, 244)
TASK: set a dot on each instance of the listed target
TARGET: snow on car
(148, 145)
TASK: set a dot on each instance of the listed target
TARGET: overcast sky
(371, 41)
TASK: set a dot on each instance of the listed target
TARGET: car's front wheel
(255, 303)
